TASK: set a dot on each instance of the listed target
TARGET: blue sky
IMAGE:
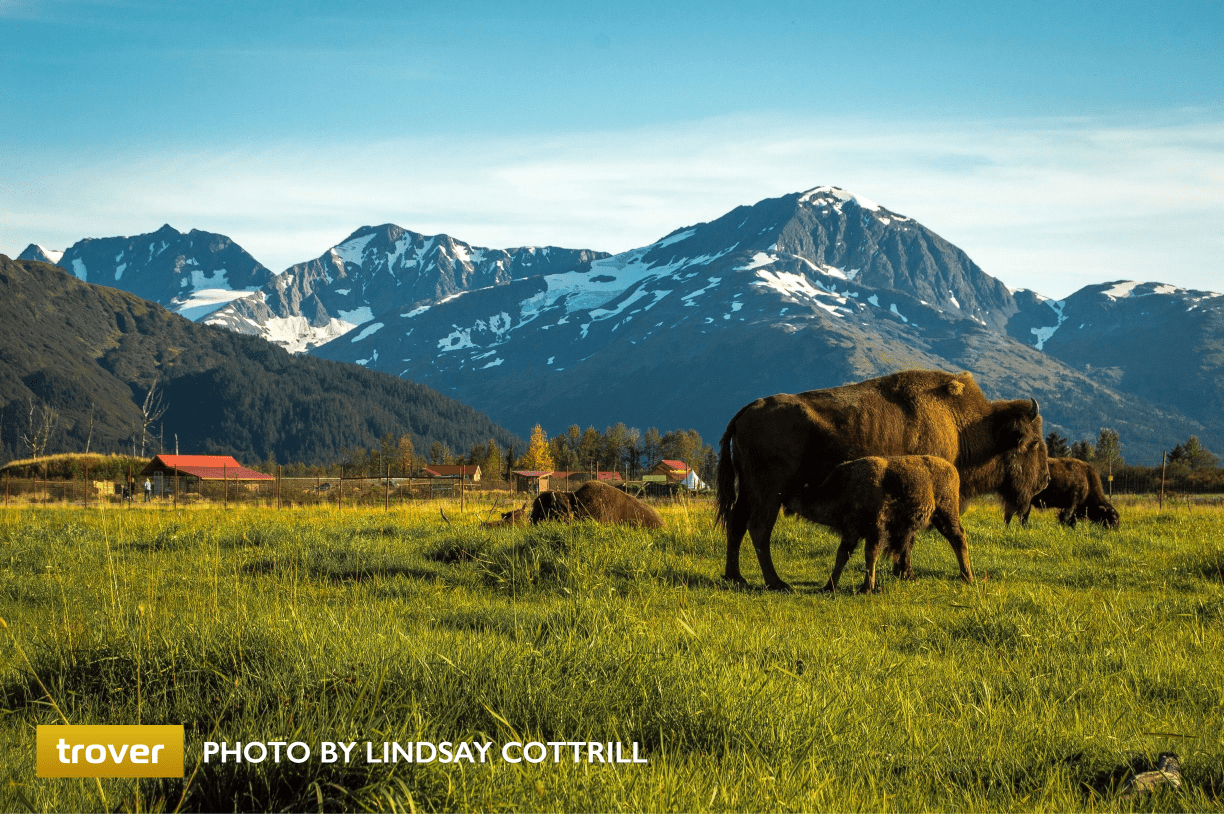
(1059, 144)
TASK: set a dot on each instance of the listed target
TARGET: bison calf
(1074, 489)
(887, 501)
(516, 517)
(595, 501)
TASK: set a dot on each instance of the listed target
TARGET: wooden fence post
(387, 491)
(279, 471)
(176, 488)
(1164, 459)
(340, 494)
(86, 486)
(131, 487)
(224, 486)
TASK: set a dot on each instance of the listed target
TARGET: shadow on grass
(340, 570)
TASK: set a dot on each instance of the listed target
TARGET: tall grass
(1077, 656)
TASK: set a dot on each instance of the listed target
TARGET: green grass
(1078, 655)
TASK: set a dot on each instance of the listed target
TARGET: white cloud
(1044, 204)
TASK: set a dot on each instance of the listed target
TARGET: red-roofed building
(469, 472)
(204, 467)
(674, 471)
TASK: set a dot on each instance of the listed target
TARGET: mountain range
(94, 354)
(806, 290)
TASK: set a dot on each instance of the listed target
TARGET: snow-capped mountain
(1155, 340)
(375, 269)
(192, 274)
(41, 254)
(808, 290)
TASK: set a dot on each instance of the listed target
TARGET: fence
(187, 491)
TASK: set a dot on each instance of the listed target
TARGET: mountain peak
(836, 196)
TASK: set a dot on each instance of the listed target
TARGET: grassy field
(1077, 656)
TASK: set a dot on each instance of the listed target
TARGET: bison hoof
(780, 586)
(736, 580)
(829, 587)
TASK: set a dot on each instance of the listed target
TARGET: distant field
(1078, 654)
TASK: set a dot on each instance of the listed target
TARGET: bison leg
(737, 524)
(760, 528)
(903, 566)
(848, 544)
(871, 551)
(949, 526)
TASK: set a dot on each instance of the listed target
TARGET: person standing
(148, 490)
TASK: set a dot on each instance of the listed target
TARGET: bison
(776, 446)
(886, 501)
(516, 517)
(595, 501)
(1074, 489)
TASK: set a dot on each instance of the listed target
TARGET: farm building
(676, 472)
(531, 481)
(198, 468)
(572, 480)
(464, 472)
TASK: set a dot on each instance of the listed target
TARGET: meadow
(1076, 658)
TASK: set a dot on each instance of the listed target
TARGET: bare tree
(89, 437)
(41, 422)
(152, 410)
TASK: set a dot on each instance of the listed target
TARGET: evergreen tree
(1083, 449)
(1193, 455)
(405, 455)
(1056, 445)
(440, 453)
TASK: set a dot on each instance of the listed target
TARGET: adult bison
(776, 445)
(1075, 489)
(595, 501)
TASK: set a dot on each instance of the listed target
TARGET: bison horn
(1034, 412)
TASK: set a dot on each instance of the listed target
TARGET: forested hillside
(79, 363)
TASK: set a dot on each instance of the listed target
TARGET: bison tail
(726, 477)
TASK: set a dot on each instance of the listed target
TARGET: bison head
(1104, 514)
(1021, 454)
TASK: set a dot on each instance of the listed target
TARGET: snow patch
(758, 260)
(351, 250)
(1043, 334)
(203, 301)
(823, 194)
(343, 290)
(494, 363)
(357, 316)
(119, 269)
(367, 331)
(676, 238)
(78, 268)
(893, 308)
(416, 312)
(1120, 290)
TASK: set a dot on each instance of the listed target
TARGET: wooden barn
(194, 468)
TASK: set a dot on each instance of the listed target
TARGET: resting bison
(1075, 489)
(517, 517)
(595, 501)
(886, 501)
(786, 441)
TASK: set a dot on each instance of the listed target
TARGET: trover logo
(110, 751)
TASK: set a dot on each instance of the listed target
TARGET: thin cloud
(1047, 205)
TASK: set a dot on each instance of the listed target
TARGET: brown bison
(774, 446)
(516, 517)
(886, 501)
(595, 501)
(1074, 489)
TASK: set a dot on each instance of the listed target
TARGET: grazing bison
(1074, 489)
(517, 517)
(595, 501)
(776, 445)
(886, 501)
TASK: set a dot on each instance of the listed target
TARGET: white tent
(691, 481)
